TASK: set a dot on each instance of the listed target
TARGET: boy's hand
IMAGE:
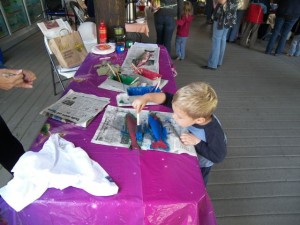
(189, 139)
(139, 103)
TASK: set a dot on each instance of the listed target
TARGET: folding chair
(79, 14)
(61, 74)
(56, 8)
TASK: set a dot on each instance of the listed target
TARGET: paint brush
(139, 133)
(157, 86)
(134, 80)
(114, 73)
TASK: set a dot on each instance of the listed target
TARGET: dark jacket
(167, 8)
(289, 9)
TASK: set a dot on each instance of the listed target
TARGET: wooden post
(112, 12)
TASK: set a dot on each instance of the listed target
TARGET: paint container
(132, 91)
(120, 48)
(124, 79)
(129, 43)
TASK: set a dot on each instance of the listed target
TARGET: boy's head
(194, 104)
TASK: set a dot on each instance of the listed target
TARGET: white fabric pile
(58, 165)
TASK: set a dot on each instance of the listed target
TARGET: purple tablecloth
(154, 187)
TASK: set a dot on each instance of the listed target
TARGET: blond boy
(193, 106)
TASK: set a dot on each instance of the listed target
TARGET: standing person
(193, 107)
(165, 13)
(10, 148)
(287, 14)
(233, 31)
(295, 45)
(183, 30)
(224, 17)
(254, 18)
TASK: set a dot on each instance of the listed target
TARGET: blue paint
(133, 91)
(158, 132)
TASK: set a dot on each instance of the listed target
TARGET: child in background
(193, 106)
(183, 29)
(295, 45)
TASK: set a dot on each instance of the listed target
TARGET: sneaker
(289, 55)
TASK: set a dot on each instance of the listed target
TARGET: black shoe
(208, 68)
(209, 22)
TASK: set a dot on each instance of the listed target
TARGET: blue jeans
(180, 43)
(233, 32)
(282, 28)
(164, 26)
(205, 171)
(295, 46)
(218, 46)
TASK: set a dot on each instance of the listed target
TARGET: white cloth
(58, 165)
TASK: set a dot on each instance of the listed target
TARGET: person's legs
(182, 47)
(275, 33)
(286, 28)
(177, 46)
(10, 148)
(213, 59)
(247, 32)
(205, 172)
(253, 36)
(169, 27)
(159, 27)
(293, 47)
(233, 34)
(297, 52)
(222, 46)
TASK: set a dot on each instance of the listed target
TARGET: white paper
(112, 127)
(113, 85)
(62, 28)
(137, 50)
(77, 108)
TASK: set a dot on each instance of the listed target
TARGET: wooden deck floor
(259, 107)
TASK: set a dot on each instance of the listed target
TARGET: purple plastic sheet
(155, 187)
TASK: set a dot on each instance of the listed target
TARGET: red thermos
(102, 33)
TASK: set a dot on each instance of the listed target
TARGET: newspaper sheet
(135, 52)
(113, 85)
(112, 130)
(77, 108)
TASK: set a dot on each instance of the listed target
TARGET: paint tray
(124, 79)
(134, 91)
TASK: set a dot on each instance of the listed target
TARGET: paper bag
(68, 49)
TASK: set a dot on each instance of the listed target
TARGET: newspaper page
(112, 131)
(135, 53)
(77, 108)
